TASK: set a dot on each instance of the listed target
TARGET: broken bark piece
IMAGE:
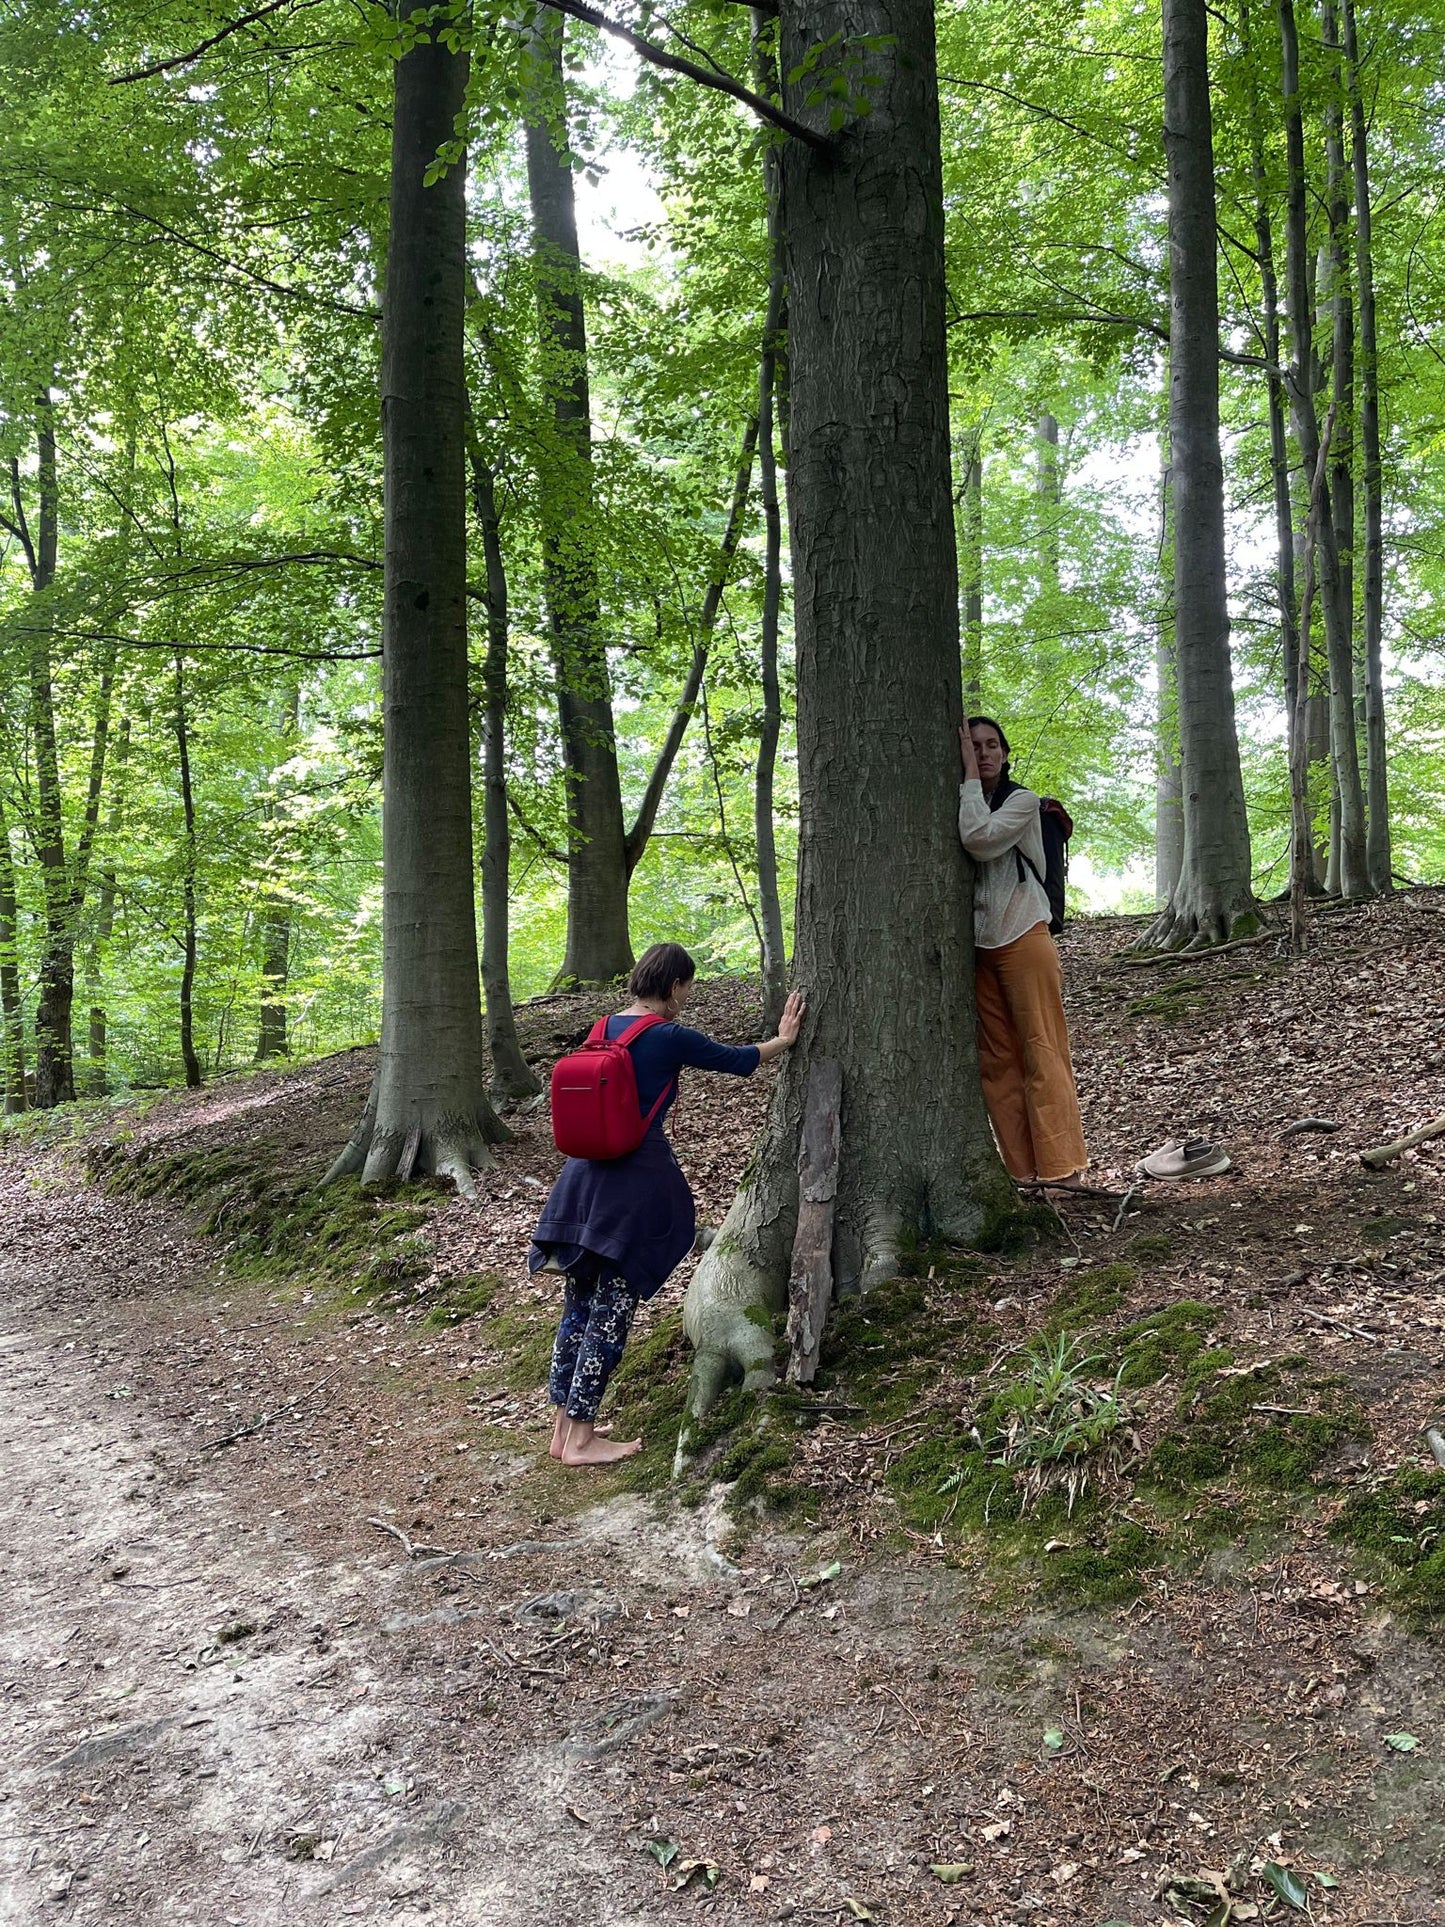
(1383, 1153)
(1302, 1124)
(810, 1281)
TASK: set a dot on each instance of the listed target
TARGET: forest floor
(302, 1625)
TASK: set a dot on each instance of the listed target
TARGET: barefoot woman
(618, 1227)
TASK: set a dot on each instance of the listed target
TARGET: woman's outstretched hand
(968, 753)
(791, 1021)
(789, 1024)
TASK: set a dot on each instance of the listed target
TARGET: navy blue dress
(636, 1211)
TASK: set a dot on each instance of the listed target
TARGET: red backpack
(595, 1107)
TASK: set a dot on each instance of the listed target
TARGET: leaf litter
(1234, 1707)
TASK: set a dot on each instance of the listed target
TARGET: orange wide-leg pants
(1023, 1050)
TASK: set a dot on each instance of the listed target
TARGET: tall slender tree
(1213, 896)
(428, 1109)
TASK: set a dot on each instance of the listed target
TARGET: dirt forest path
(229, 1698)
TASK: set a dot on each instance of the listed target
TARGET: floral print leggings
(597, 1310)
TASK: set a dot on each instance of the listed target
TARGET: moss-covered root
(728, 1318)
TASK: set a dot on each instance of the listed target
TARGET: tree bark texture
(1348, 847)
(1378, 857)
(1213, 892)
(599, 949)
(772, 363)
(1168, 778)
(883, 940)
(810, 1278)
(428, 1109)
(512, 1076)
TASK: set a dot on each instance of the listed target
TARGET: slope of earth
(301, 1623)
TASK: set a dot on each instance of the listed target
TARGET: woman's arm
(704, 1053)
(986, 833)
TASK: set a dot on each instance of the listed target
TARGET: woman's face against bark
(989, 751)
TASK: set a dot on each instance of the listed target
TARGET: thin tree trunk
(98, 1077)
(188, 885)
(1378, 857)
(275, 920)
(512, 1076)
(972, 492)
(54, 1055)
(1303, 386)
(12, 1017)
(1213, 899)
(641, 831)
(599, 949)
(1049, 491)
(428, 1109)
(883, 939)
(1301, 865)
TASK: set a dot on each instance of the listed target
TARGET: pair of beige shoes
(1190, 1157)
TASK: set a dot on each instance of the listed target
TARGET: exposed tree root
(444, 1147)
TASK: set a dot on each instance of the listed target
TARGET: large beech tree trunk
(428, 1109)
(883, 942)
(1378, 858)
(512, 1076)
(599, 949)
(1213, 893)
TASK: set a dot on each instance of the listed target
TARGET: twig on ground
(413, 1548)
(1284, 1411)
(1073, 1190)
(267, 1418)
(1124, 1203)
(884, 1687)
(1308, 1124)
(1355, 1331)
(1381, 1154)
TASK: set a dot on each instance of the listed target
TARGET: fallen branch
(1436, 1441)
(413, 1548)
(1355, 1331)
(1308, 1124)
(1074, 1190)
(267, 1418)
(1383, 1153)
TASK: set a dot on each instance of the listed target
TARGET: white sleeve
(986, 833)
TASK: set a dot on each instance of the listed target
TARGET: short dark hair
(989, 723)
(659, 967)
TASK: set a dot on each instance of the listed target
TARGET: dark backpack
(1056, 827)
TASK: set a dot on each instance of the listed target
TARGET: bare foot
(583, 1446)
(562, 1425)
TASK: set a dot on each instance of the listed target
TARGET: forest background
(193, 213)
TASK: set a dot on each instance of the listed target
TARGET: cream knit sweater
(1004, 905)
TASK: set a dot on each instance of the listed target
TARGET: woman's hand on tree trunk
(789, 1024)
(968, 754)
